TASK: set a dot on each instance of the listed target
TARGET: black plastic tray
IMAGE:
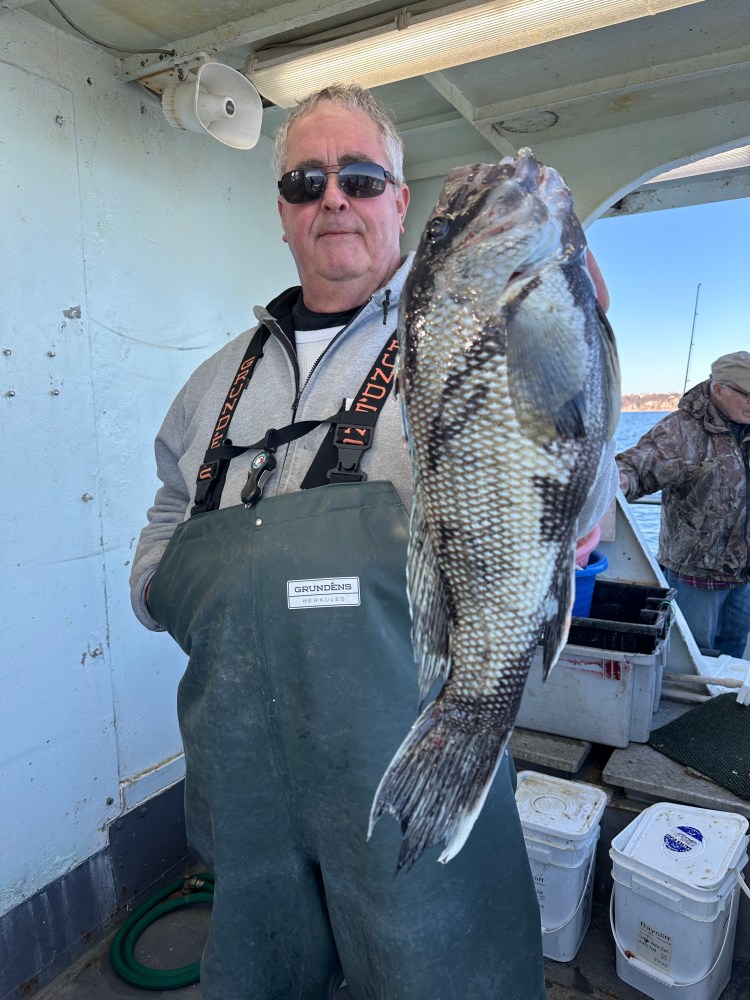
(625, 617)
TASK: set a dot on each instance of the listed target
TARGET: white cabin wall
(423, 194)
(129, 252)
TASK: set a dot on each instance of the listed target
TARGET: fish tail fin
(438, 780)
(558, 624)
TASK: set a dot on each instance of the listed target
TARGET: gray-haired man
(287, 589)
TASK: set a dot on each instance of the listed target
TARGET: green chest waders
(300, 686)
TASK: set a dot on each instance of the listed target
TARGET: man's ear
(402, 203)
(280, 206)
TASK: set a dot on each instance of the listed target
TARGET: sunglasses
(356, 180)
(740, 392)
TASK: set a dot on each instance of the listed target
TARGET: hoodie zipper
(332, 341)
(274, 327)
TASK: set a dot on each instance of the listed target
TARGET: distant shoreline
(645, 402)
(646, 409)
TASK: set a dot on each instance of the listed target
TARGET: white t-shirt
(310, 345)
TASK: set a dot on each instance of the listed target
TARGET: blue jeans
(718, 619)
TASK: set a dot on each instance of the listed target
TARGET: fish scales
(509, 381)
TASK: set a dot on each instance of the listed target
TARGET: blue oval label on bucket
(683, 839)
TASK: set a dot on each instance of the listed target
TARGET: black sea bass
(510, 384)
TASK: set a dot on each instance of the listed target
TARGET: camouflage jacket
(701, 467)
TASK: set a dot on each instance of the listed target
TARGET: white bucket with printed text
(677, 872)
(560, 821)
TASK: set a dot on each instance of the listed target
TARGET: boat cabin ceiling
(616, 95)
(132, 251)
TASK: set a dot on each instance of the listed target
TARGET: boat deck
(635, 777)
(591, 974)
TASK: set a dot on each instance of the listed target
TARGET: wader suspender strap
(213, 471)
(339, 455)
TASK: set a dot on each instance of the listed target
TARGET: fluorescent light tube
(417, 44)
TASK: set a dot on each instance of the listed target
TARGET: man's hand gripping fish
(510, 384)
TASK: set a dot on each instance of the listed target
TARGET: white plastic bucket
(675, 897)
(560, 821)
(561, 943)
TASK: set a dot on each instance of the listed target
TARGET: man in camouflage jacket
(698, 456)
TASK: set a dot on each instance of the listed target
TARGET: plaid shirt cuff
(703, 583)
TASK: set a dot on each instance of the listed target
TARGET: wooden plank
(556, 752)
(644, 773)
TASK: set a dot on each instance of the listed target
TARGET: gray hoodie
(267, 402)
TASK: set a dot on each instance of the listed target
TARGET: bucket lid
(548, 805)
(683, 844)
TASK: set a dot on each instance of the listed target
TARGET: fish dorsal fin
(428, 604)
(611, 376)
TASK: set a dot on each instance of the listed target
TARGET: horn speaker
(218, 100)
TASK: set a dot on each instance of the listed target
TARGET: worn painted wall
(129, 252)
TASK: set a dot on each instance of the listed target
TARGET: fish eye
(438, 228)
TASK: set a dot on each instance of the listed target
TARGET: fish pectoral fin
(427, 602)
(547, 364)
(557, 624)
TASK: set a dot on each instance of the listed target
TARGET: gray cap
(733, 368)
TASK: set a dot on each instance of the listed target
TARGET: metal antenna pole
(692, 336)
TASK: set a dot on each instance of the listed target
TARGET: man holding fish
(277, 561)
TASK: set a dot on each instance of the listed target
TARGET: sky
(653, 263)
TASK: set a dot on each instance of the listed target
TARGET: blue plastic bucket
(585, 580)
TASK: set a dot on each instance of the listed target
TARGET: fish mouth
(487, 234)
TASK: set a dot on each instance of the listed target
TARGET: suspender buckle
(206, 477)
(209, 475)
(351, 438)
(261, 468)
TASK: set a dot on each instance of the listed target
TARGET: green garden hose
(194, 889)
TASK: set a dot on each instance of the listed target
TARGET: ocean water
(631, 428)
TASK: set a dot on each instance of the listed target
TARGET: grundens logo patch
(323, 593)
